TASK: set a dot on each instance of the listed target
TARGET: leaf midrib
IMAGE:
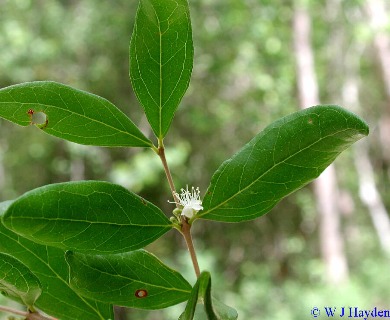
(160, 107)
(58, 277)
(80, 115)
(88, 222)
(131, 279)
(270, 169)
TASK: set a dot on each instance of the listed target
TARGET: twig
(14, 311)
(161, 153)
(27, 315)
(185, 226)
(186, 232)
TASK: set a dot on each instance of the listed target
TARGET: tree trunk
(120, 313)
(331, 240)
(77, 161)
(368, 190)
(2, 171)
(378, 14)
(378, 19)
(371, 197)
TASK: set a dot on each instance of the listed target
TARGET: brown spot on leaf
(30, 114)
(141, 293)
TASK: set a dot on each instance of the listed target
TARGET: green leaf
(70, 114)
(208, 307)
(282, 158)
(86, 216)
(135, 279)
(161, 58)
(48, 264)
(17, 281)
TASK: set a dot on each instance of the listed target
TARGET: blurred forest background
(255, 61)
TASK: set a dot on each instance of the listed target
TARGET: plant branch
(38, 316)
(185, 226)
(27, 315)
(186, 232)
(14, 311)
(161, 153)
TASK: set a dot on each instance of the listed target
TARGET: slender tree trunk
(378, 17)
(77, 161)
(371, 197)
(331, 240)
(368, 190)
(120, 313)
(2, 173)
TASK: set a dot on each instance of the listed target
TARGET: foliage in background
(243, 69)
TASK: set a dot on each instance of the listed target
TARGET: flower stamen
(190, 201)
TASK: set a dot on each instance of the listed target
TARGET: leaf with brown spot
(70, 114)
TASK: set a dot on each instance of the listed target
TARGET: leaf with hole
(87, 216)
(70, 114)
(201, 305)
(48, 264)
(17, 281)
(161, 58)
(282, 158)
(135, 279)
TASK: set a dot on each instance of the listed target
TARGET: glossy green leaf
(87, 216)
(48, 264)
(17, 281)
(202, 306)
(69, 114)
(135, 279)
(161, 58)
(282, 158)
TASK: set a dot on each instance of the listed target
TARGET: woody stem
(26, 315)
(14, 311)
(185, 226)
(161, 153)
(186, 232)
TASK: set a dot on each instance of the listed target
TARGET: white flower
(190, 201)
